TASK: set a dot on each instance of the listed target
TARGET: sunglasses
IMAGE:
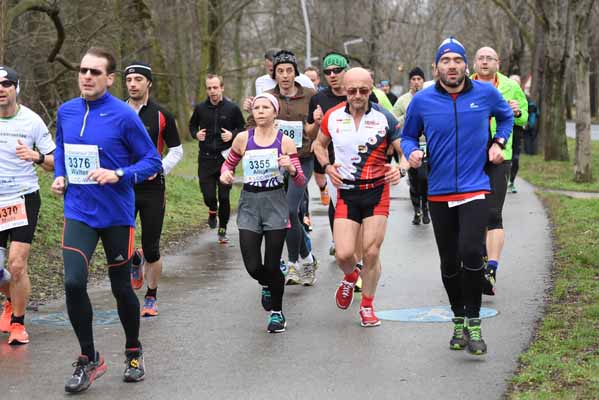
(7, 84)
(93, 71)
(363, 91)
(336, 70)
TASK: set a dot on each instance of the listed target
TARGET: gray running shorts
(263, 211)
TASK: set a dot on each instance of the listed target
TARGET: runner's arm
(175, 149)
(296, 172)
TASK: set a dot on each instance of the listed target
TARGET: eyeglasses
(6, 84)
(93, 71)
(336, 70)
(486, 58)
(353, 91)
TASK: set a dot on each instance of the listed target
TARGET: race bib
(293, 129)
(13, 214)
(80, 160)
(260, 165)
(451, 204)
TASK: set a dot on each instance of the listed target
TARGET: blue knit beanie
(451, 45)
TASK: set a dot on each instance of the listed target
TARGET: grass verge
(563, 360)
(558, 174)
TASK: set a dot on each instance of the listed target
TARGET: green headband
(336, 60)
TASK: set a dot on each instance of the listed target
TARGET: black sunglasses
(336, 70)
(353, 91)
(7, 84)
(93, 71)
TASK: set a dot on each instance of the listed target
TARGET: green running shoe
(458, 341)
(476, 344)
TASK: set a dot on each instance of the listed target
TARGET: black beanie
(137, 67)
(417, 72)
(284, 57)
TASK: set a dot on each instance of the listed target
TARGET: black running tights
(79, 243)
(267, 274)
(459, 232)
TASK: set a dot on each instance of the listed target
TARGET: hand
(390, 150)
(285, 162)
(226, 135)
(151, 178)
(515, 106)
(103, 176)
(25, 153)
(416, 158)
(403, 163)
(247, 104)
(201, 135)
(227, 177)
(331, 171)
(58, 186)
(317, 115)
(393, 176)
(495, 154)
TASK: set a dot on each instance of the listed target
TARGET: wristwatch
(500, 142)
(119, 173)
(42, 158)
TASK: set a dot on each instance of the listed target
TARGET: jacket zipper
(84, 119)
(455, 110)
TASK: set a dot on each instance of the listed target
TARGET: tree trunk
(238, 92)
(558, 38)
(4, 29)
(582, 165)
(594, 82)
(182, 108)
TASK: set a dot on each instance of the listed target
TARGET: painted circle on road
(62, 319)
(427, 314)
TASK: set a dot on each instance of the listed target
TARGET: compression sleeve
(299, 179)
(174, 155)
(231, 162)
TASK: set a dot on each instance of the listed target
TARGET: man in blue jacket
(454, 115)
(102, 151)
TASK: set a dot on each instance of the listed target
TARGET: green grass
(558, 174)
(186, 214)
(563, 360)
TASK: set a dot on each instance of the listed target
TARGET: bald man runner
(360, 132)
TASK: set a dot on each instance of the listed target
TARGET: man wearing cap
(292, 116)
(102, 151)
(457, 135)
(486, 65)
(417, 176)
(24, 141)
(266, 81)
(214, 124)
(386, 88)
(150, 198)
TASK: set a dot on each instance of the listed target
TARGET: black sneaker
(476, 344)
(86, 372)
(212, 220)
(458, 340)
(490, 277)
(266, 298)
(134, 366)
(426, 219)
(276, 323)
(417, 217)
(222, 236)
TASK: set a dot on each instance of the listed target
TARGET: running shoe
(417, 217)
(324, 196)
(137, 270)
(476, 344)
(458, 340)
(266, 298)
(489, 280)
(5, 318)
(276, 322)
(307, 223)
(284, 268)
(212, 219)
(512, 188)
(344, 295)
(332, 249)
(426, 219)
(368, 318)
(308, 274)
(150, 308)
(134, 366)
(222, 236)
(18, 334)
(358, 287)
(292, 276)
(86, 372)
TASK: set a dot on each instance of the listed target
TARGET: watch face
(119, 172)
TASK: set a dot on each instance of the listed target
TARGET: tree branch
(229, 18)
(528, 37)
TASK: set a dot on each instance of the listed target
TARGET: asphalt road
(210, 340)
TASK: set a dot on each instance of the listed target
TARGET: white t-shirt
(18, 177)
(265, 82)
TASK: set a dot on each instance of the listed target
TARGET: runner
(385, 86)
(487, 70)
(21, 130)
(294, 100)
(97, 136)
(263, 208)
(214, 123)
(314, 74)
(361, 133)
(150, 195)
(267, 82)
(457, 135)
(417, 176)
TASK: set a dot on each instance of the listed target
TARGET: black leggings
(267, 274)
(458, 233)
(209, 176)
(78, 243)
(498, 176)
(418, 178)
